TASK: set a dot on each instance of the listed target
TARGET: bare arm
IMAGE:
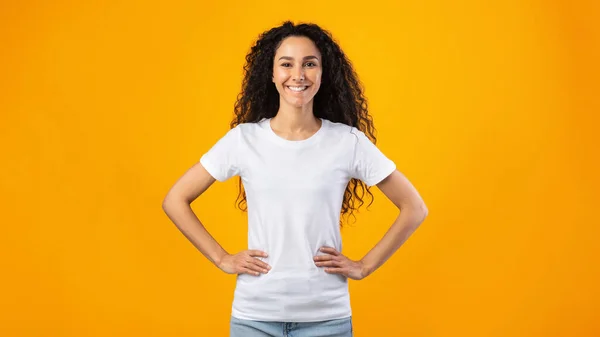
(177, 207)
(412, 213)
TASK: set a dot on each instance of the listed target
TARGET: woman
(300, 143)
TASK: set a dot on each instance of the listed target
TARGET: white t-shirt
(294, 193)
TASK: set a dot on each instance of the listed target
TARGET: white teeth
(297, 88)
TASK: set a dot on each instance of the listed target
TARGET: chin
(300, 104)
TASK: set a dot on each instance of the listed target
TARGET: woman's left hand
(337, 263)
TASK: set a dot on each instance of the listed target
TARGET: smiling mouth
(297, 89)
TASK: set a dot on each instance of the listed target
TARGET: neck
(296, 119)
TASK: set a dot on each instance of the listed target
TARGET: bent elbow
(420, 213)
(424, 210)
(165, 205)
(167, 202)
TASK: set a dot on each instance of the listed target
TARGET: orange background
(490, 108)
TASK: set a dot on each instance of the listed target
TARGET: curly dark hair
(339, 99)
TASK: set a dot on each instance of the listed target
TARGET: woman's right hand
(244, 262)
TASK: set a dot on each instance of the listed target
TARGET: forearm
(406, 223)
(182, 215)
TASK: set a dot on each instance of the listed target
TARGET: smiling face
(297, 71)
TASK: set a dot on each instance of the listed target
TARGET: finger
(330, 250)
(323, 257)
(330, 263)
(250, 265)
(259, 264)
(255, 260)
(250, 271)
(255, 252)
(340, 271)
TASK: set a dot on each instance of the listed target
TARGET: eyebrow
(305, 57)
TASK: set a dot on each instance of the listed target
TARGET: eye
(313, 64)
(284, 64)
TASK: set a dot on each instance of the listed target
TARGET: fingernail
(269, 267)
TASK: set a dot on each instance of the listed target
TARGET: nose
(298, 75)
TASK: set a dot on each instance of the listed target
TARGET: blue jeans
(331, 328)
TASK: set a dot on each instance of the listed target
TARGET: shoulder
(240, 132)
(247, 128)
(246, 134)
(346, 133)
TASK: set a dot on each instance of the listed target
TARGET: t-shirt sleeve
(369, 164)
(222, 159)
